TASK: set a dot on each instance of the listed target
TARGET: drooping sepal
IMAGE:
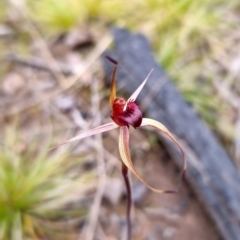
(126, 158)
(125, 152)
(91, 132)
(160, 127)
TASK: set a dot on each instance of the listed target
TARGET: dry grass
(192, 39)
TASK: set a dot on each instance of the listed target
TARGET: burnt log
(211, 172)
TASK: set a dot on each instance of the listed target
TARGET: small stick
(38, 63)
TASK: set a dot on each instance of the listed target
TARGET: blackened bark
(211, 171)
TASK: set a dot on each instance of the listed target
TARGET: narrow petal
(138, 90)
(113, 82)
(159, 126)
(91, 132)
(126, 158)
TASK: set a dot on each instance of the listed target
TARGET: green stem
(129, 199)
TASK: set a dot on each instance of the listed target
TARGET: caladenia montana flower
(125, 114)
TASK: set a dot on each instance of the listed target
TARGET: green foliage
(36, 186)
(182, 32)
(63, 15)
(174, 26)
(3, 9)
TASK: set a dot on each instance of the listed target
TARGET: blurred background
(52, 87)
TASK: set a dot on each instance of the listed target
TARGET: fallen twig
(39, 64)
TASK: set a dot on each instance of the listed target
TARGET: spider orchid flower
(126, 114)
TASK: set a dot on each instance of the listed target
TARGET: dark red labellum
(131, 116)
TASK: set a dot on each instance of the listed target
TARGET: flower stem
(129, 199)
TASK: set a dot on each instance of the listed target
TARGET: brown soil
(160, 216)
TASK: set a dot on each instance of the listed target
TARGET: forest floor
(46, 100)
